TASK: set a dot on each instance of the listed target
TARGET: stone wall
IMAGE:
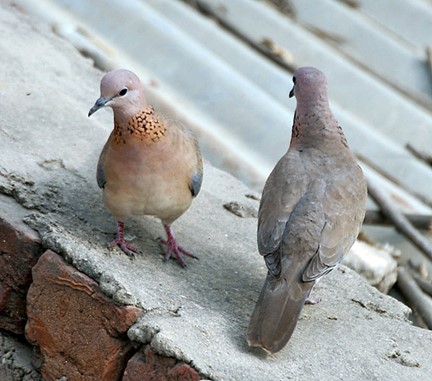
(76, 330)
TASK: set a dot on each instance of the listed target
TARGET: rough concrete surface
(15, 360)
(48, 155)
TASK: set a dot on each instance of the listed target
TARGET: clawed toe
(126, 247)
(174, 248)
(177, 251)
(119, 241)
(177, 255)
(312, 301)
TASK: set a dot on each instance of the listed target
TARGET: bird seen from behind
(311, 211)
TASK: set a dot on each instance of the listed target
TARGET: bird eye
(294, 80)
(123, 91)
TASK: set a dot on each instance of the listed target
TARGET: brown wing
(344, 208)
(284, 188)
(186, 141)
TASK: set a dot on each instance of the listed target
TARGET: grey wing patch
(273, 245)
(100, 176)
(318, 266)
(343, 223)
(197, 163)
(275, 211)
(195, 184)
(270, 233)
(281, 195)
(331, 250)
(269, 237)
(273, 263)
(100, 172)
(197, 177)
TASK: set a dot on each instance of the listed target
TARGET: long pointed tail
(276, 313)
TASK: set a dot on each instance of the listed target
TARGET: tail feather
(276, 313)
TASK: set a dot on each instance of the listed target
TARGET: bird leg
(121, 242)
(310, 300)
(174, 247)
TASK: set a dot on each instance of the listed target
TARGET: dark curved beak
(101, 102)
(291, 93)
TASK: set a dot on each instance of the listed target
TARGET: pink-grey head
(120, 89)
(310, 84)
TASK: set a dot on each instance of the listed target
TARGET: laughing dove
(149, 165)
(312, 208)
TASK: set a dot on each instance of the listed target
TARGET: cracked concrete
(48, 155)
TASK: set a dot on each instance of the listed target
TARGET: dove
(311, 212)
(149, 166)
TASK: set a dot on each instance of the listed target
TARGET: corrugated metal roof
(223, 67)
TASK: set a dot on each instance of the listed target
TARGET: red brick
(80, 333)
(20, 248)
(146, 365)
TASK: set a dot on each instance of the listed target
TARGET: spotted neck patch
(145, 126)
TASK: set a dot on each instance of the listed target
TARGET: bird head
(122, 91)
(309, 83)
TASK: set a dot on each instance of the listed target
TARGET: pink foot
(310, 300)
(126, 247)
(174, 248)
